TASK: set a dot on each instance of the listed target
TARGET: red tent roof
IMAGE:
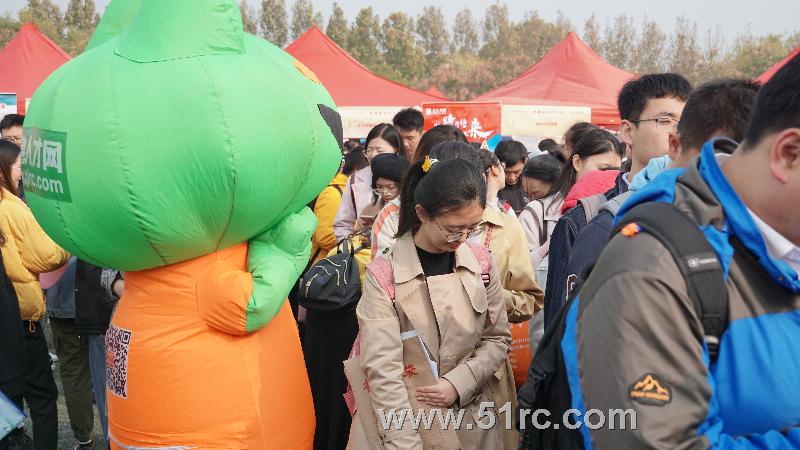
(570, 72)
(350, 83)
(27, 61)
(772, 70)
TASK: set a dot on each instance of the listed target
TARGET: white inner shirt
(777, 245)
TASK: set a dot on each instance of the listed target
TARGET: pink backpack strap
(381, 269)
(483, 256)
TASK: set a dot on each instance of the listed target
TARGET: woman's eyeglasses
(385, 191)
(455, 236)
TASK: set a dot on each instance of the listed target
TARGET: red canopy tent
(350, 83)
(772, 70)
(570, 72)
(27, 61)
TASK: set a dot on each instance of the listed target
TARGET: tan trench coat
(522, 296)
(463, 325)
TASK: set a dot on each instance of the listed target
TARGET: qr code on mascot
(118, 342)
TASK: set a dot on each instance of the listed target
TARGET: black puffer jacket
(12, 337)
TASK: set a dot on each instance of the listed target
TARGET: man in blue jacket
(633, 338)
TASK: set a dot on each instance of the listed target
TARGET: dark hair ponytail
(448, 186)
(594, 142)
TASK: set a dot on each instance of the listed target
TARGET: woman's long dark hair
(448, 186)
(388, 133)
(444, 151)
(575, 133)
(595, 142)
(9, 152)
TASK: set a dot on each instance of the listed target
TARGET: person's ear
(577, 163)
(422, 214)
(784, 155)
(497, 170)
(674, 146)
(626, 132)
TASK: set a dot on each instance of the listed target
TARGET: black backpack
(547, 385)
(333, 283)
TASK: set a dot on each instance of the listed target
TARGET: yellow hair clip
(426, 166)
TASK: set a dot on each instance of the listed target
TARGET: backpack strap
(592, 204)
(695, 258)
(381, 268)
(483, 256)
(541, 225)
(615, 204)
(337, 187)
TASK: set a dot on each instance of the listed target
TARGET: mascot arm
(276, 259)
(238, 302)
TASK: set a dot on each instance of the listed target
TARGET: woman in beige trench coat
(439, 292)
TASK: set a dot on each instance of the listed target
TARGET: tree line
(473, 54)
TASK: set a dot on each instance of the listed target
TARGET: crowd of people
(726, 154)
(459, 246)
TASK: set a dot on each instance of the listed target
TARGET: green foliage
(248, 18)
(273, 22)
(302, 17)
(463, 61)
(8, 28)
(338, 29)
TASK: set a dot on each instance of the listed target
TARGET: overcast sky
(732, 16)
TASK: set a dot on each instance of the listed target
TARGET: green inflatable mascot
(183, 151)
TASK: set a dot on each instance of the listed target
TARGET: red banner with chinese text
(478, 120)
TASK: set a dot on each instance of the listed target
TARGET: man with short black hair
(11, 128)
(650, 107)
(409, 122)
(635, 337)
(718, 108)
(513, 155)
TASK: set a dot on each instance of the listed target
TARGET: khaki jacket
(463, 325)
(506, 239)
(28, 251)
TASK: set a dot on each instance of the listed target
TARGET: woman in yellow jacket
(328, 201)
(504, 237)
(27, 252)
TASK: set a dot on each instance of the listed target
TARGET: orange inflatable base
(175, 382)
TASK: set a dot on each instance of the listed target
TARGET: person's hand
(118, 287)
(442, 394)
